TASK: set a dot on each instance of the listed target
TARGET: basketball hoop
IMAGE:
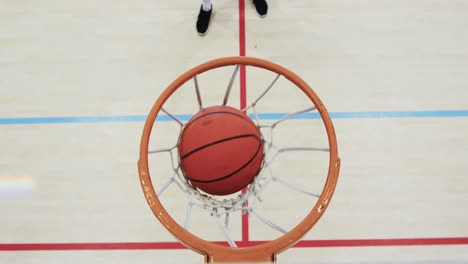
(215, 252)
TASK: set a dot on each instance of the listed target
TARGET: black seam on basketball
(216, 142)
(236, 171)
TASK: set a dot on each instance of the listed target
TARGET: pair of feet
(204, 17)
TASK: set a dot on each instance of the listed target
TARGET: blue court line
(264, 116)
(377, 114)
(82, 119)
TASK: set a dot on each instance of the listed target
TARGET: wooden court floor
(77, 79)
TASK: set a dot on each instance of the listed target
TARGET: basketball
(220, 150)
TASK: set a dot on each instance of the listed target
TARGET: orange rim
(265, 252)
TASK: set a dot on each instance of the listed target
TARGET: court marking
(261, 116)
(243, 102)
(443, 241)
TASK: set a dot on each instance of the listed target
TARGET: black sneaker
(203, 21)
(261, 6)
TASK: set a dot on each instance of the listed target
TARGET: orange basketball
(220, 150)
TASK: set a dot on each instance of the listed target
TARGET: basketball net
(246, 203)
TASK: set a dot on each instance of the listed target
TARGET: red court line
(243, 96)
(440, 241)
(242, 75)
(90, 246)
(241, 27)
(443, 241)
